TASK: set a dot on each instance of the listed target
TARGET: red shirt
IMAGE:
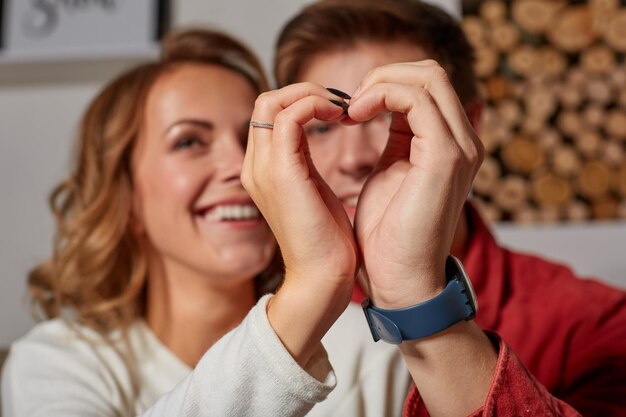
(562, 339)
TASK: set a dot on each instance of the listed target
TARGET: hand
(308, 221)
(409, 207)
(313, 231)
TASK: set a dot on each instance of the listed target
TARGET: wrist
(316, 293)
(333, 270)
(457, 302)
(466, 331)
(302, 314)
(454, 369)
(402, 292)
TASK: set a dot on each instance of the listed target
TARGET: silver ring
(261, 124)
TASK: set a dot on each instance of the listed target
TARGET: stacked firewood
(554, 125)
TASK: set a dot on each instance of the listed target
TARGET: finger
(288, 123)
(427, 74)
(422, 115)
(284, 157)
(269, 104)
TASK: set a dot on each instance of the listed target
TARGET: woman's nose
(229, 158)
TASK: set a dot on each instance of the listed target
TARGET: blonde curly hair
(97, 272)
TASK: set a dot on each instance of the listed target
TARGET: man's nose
(359, 154)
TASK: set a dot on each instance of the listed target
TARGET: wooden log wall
(553, 76)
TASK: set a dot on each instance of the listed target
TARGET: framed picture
(80, 29)
(1, 24)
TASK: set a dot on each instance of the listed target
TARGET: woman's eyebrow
(205, 124)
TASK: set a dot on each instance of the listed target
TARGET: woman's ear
(474, 111)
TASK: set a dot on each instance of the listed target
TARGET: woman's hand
(408, 209)
(314, 234)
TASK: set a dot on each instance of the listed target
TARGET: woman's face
(188, 199)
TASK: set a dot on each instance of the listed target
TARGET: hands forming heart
(409, 207)
(407, 211)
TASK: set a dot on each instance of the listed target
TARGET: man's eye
(318, 129)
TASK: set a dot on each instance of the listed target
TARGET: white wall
(40, 105)
(593, 250)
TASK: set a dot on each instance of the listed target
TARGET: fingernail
(339, 93)
(341, 104)
(356, 92)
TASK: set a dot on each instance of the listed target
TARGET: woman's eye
(188, 142)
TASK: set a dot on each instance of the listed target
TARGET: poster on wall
(35, 30)
(1, 26)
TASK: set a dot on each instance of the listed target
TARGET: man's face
(345, 155)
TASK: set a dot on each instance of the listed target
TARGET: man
(569, 334)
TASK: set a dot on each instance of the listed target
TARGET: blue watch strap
(423, 319)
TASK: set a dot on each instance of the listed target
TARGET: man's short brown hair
(332, 24)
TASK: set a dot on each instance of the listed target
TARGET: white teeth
(233, 212)
(352, 201)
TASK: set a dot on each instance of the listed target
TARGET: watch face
(457, 271)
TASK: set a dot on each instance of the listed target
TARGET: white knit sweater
(57, 371)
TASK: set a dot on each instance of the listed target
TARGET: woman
(160, 252)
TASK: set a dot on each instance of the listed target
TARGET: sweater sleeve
(514, 391)
(247, 372)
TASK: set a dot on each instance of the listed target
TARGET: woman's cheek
(179, 181)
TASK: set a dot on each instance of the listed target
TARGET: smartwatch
(457, 302)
